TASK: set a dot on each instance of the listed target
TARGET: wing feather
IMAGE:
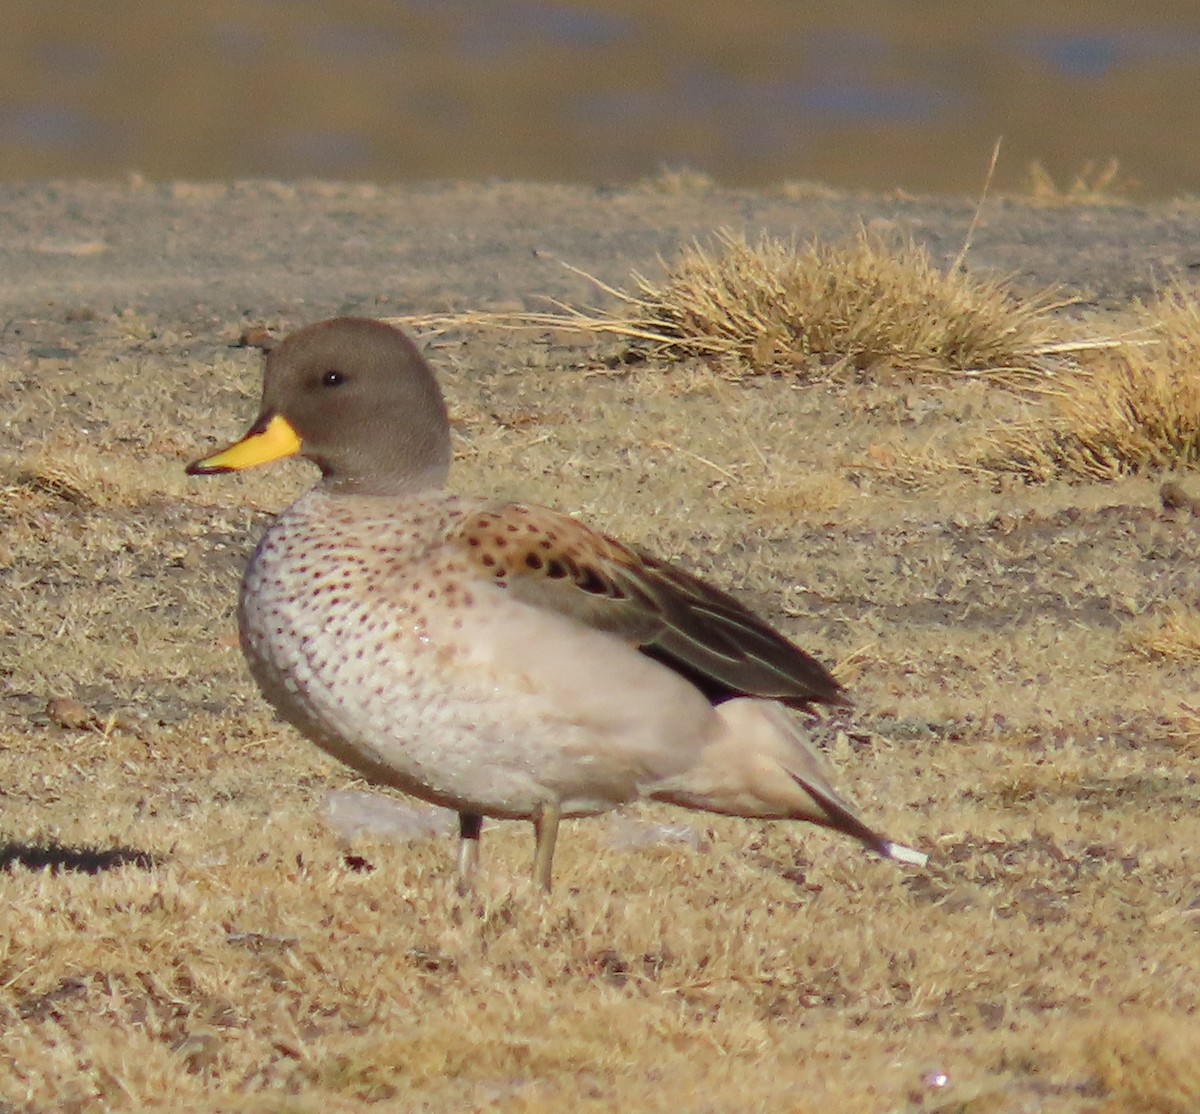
(549, 560)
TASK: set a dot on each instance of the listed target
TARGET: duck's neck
(428, 482)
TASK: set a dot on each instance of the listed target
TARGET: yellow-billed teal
(500, 659)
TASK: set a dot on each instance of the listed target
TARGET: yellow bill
(268, 440)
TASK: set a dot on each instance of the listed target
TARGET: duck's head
(356, 398)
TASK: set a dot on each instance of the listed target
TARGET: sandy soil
(239, 955)
(207, 255)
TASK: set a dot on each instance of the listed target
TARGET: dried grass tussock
(1184, 730)
(865, 308)
(869, 312)
(1095, 183)
(1173, 635)
(1130, 409)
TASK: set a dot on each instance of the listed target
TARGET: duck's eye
(332, 379)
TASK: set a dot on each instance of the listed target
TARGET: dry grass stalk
(566, 318)
(1135, 409)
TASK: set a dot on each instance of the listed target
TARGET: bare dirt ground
(209, 941)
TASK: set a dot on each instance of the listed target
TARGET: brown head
(356, 398)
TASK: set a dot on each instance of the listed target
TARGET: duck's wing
(551, 561)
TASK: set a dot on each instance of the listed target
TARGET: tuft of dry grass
(1182, 728)
(1132, 409)
(1096, 183)
(1174, 635)
(676, 180)
(1185, 730)
(77, 476)
(788, 498)
(863, 309)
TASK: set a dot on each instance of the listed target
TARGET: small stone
(255, 336)
(53, 245)
(70, 713)
(1174, 498)
(352, 813)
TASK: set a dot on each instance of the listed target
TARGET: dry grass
(1146, 1066)
(80, 474)
(244, 959)
(1096, 183)
(1174, 635)
(675, 180)
(1185, 728)
(861, 309)
(1132, 409)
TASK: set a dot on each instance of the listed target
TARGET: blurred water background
(873, 94)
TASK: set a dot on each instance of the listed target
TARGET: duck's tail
(762, 765)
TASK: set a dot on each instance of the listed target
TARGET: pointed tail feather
(898, 853)
(843, 820)
(762, 764)
(807, 768)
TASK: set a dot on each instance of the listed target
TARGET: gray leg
(469, 827)
(545, 828)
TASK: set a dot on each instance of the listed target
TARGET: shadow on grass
(80, 860)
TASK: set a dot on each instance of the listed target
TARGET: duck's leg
(545, 828)
(470, 824)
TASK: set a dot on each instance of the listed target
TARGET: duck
(501, 659)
